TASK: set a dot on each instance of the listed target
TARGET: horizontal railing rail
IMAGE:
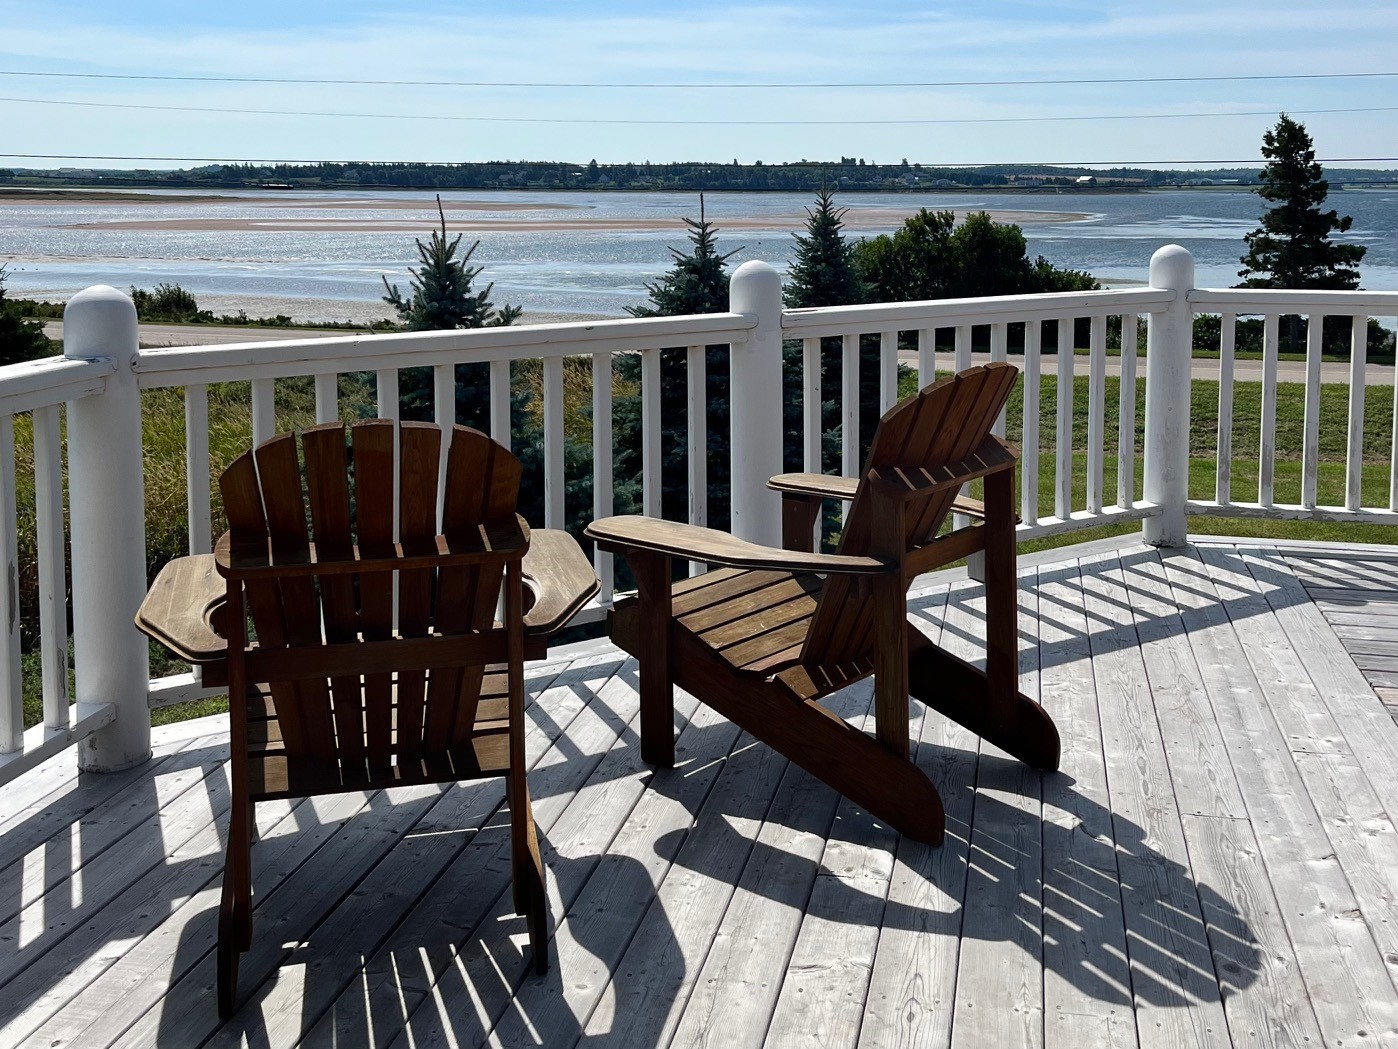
(1072, 349)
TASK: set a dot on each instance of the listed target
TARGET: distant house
(1085, 180)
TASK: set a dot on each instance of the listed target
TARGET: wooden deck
(1216, 864)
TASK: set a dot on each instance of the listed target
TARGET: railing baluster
(444, 415)
(926, 357)
(500, 402)
(53, 589)
(553, 443)
(1096, 412)
(888, 370)
(999, 351)
(1354, 449)
(1227, 341)
(849, 408)
(1029, 442)
(962, 354)
(650, 433)
(264, 410)
(198, 473)
(602, 479)
(327, 398)
(1063, 461)
(1310, 440)
(386, 389)
(1267, 451)
(811, 421)
(697, 418)
(961, 361)
(12, 704)
(1126, 416)
(1393, 446)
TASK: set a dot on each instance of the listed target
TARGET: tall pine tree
(822, 271)
(444, 297)
(1292, 248)
(697, 282)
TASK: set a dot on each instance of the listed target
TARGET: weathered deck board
(1216, 863)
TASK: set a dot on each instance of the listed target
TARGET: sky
(627, 42)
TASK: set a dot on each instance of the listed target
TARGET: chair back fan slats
(941, 425)
(360, 495)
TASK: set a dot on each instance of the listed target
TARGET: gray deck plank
(1087, 979)
(1265, 999)
(999, 983)
(1342, 969)
(912, 988)
(826, 984)
(1166, 941)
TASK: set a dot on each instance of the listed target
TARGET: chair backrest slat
(941, 425)
(371, 445)
(420, 448)
(327, 488)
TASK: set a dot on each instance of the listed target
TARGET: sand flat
(855, 219)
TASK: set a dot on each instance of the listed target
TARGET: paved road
(1244, 371)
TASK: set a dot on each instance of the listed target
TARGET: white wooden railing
(104, 375)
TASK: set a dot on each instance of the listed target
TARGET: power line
(1246, 162)
(678, 85)
(471, 118)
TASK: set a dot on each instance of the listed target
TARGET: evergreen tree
(442, 293)
(823, 272)
(443, 297)
(698, 279)
(696, 283)
(21, 339)
(1292, 248)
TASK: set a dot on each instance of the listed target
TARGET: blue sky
(628, 41)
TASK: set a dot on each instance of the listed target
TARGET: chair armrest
(823, 486)
(180, 609)
(561, 578)
(831, 486)
(711, 546)
(506, 541)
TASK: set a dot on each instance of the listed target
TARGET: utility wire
(1246, 162)
(465, 118)
(1240, 78)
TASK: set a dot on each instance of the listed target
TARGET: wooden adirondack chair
(334, 695)
(764, 638)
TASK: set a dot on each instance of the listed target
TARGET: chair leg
(235, 906)
(656, 685)
(527, 871)
(962, 693)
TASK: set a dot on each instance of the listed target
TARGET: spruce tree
(442, 292)
(698, 279)
(21, 339)
(823, 272)
(1292, 248)
(443, 297)
(697, 282)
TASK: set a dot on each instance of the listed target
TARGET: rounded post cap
(1172, 266)
(96, 319)
(754, 287)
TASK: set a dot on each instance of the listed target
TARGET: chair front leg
(799, 516)
(1001, 602)
(652, 572)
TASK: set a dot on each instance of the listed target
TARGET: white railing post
(106, 498)
(755, 384)
(1169, 349)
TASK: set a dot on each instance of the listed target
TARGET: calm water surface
(590, 271)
